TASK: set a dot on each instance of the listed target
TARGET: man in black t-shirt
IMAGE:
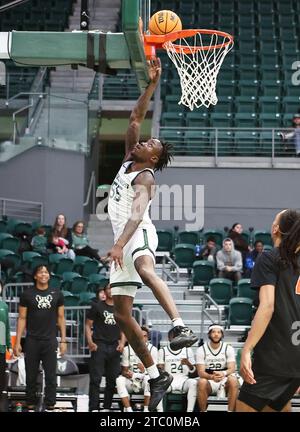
(106, 343)
(41, 310)
(274, 377)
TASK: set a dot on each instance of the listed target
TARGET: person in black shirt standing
(41, 310)
(273, 378)
(106, 342)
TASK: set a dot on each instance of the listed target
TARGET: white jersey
(131, 360)
(215, 359)
(121, 198)
(172, 360)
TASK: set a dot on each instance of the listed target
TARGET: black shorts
(269, 390)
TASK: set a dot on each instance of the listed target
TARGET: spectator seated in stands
(229, 261)
(60, 229)
(39, 241)
(59, 245)
(209, 251)
(134, 377)
(292, 138)
(180, 364)
(252, 256)
(81, 242)
(216, 366)
(239, 242)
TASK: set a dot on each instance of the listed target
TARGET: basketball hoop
(197, 55)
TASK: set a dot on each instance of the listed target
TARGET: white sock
(153, 371)
(177, 322)
(146, 409)
(129, 409)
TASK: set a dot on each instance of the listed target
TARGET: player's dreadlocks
(165, 157)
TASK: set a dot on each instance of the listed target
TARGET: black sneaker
(184, 337)
(158, 388)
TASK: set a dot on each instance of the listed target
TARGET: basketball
(163, 22)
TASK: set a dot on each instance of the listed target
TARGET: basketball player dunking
(133, 254)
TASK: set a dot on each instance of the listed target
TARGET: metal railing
(28, 211)
(223, 142)
(206, 299)
(75, 319)
(166, 273)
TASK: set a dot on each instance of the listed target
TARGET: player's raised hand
(154, 70)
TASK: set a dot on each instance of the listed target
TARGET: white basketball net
(198, 69)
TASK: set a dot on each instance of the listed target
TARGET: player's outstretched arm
(139, 111)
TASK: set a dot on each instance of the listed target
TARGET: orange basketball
(163, 22)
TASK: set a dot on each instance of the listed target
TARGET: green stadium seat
(28, 255)
(248, 87)
(245, 104)
(64, 265)
(247, 46)
(70, 300)
(266, 143)
(90, 266)
(246, 21)
(78, 285)
(246, 142)
(188, 237)
(55, 281)
(173, 136)
(4, 235)
(246, 236)
(184, 255)
(246, 120)
(247, 59)
(226, 89)
(269, 47)
(290, 104)
(38, 261)
(267, 248)
(11, 243)
(67, 278)
(173, 119)
(266, 33)
(197, 143)
(289, 47)
(269, 74)
(271, 88)
(269, 104)
(203, 272)
(244, 289)
(225, 142)
(220, 290)
(172, 103)
(3, 226)
(224, 105)
(165, 240)
(96, 281)
(221, 120)
(23, 228)
(85, 298)
(240, 311)
(249, 74)
(197, 119)
(267, 120)
(264, 236)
